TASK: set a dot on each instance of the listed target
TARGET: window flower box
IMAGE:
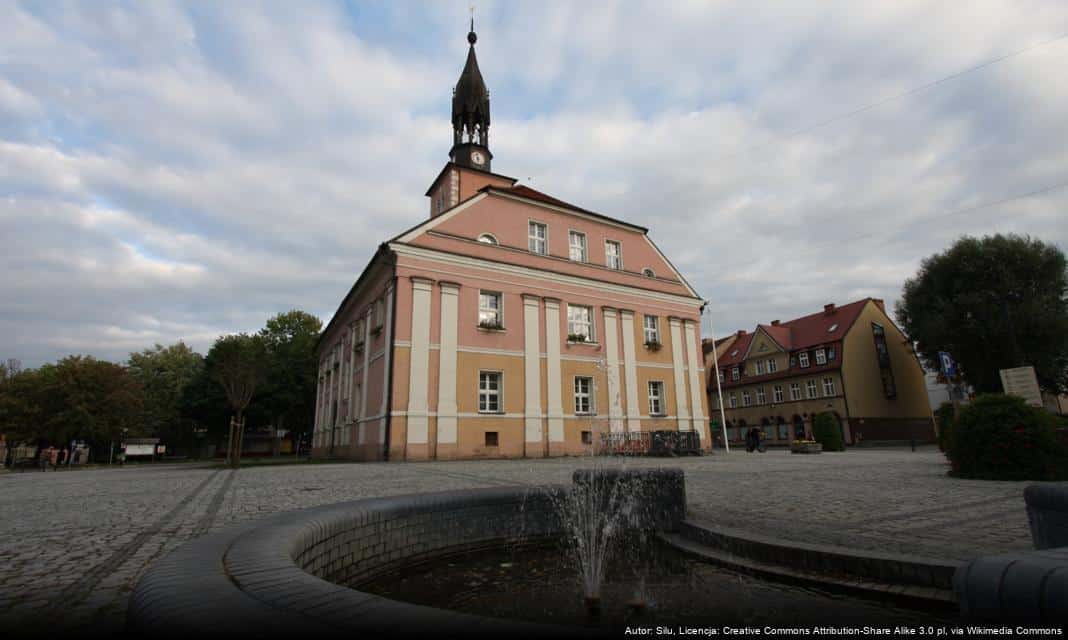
(652, 345)
(489, 325)
(577, 337)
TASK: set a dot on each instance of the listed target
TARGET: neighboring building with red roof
(850, 360)
(509, 323)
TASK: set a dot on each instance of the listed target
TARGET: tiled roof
(802, 333)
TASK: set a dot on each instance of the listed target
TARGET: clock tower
(471, 115)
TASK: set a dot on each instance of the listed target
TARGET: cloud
(181, 171)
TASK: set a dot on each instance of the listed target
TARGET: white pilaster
(450, 305)
(386, 371)
(552, 370)
(682, 412)
(532, 368)
(611, 340)
(630, 371)
(697, 387)
(419, 376)
(361, 429)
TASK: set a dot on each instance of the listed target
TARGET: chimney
(879, 303)
(741, 332)
(828, 309)
(774, 323)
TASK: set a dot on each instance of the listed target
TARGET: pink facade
(508, 324)
(412, 389)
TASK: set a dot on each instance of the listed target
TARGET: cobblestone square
(73, 544)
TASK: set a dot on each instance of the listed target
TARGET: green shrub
(944, 418)
(1000, 437)
(826, 432)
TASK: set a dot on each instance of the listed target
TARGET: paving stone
(61, 532)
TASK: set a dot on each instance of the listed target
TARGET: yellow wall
(864, 387)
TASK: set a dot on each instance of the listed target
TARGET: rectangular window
(828, 386)
(489, 310)
(656, 398)
(821, 356)
(380, 313)
(811, 387)
(579, 323)
(772, 367)
(583, 395)
(651, 326)
(587, 437)
(830, 353)
(492, 439)
(732, 401)
(734, 373)
(613, 254)
(577, 246)
(722, 378)
(537, 238)
(360, 328)
(759, 367)
(802, 359)
(795, 391)
(784, 431)
(746, 399)
(489, 392)
(761, 396)
(776, 393)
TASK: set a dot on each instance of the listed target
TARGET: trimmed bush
(826, 432)
(944, 417)
(1000, 437)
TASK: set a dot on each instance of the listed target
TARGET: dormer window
(821, 356)
(802, 359)
(487, 238)
(734, 373)
(577, 246)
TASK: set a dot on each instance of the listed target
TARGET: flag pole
(719, 389)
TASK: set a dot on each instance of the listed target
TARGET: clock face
(477, 157)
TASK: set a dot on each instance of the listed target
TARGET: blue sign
(949, 366)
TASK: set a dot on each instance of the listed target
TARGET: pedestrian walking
(53, 457)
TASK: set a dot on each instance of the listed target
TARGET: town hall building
(507, 324)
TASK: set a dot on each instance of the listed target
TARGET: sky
(186, 170)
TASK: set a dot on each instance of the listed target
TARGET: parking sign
(949, 367)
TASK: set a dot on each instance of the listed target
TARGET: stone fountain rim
(248, 572)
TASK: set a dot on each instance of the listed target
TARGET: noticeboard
(140, 449)
(1022, 382)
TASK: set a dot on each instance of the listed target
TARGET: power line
(897, 96)
(946, 214)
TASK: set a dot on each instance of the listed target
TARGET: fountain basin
(286, 573)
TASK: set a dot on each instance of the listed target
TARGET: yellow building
(851, 360)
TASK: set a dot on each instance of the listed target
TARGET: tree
(79, 397)
(993, 303)
(164, 373)
(238, 363)
(289, 392)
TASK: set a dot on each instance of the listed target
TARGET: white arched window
(487, 238)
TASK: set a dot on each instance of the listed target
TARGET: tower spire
(471, 112)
